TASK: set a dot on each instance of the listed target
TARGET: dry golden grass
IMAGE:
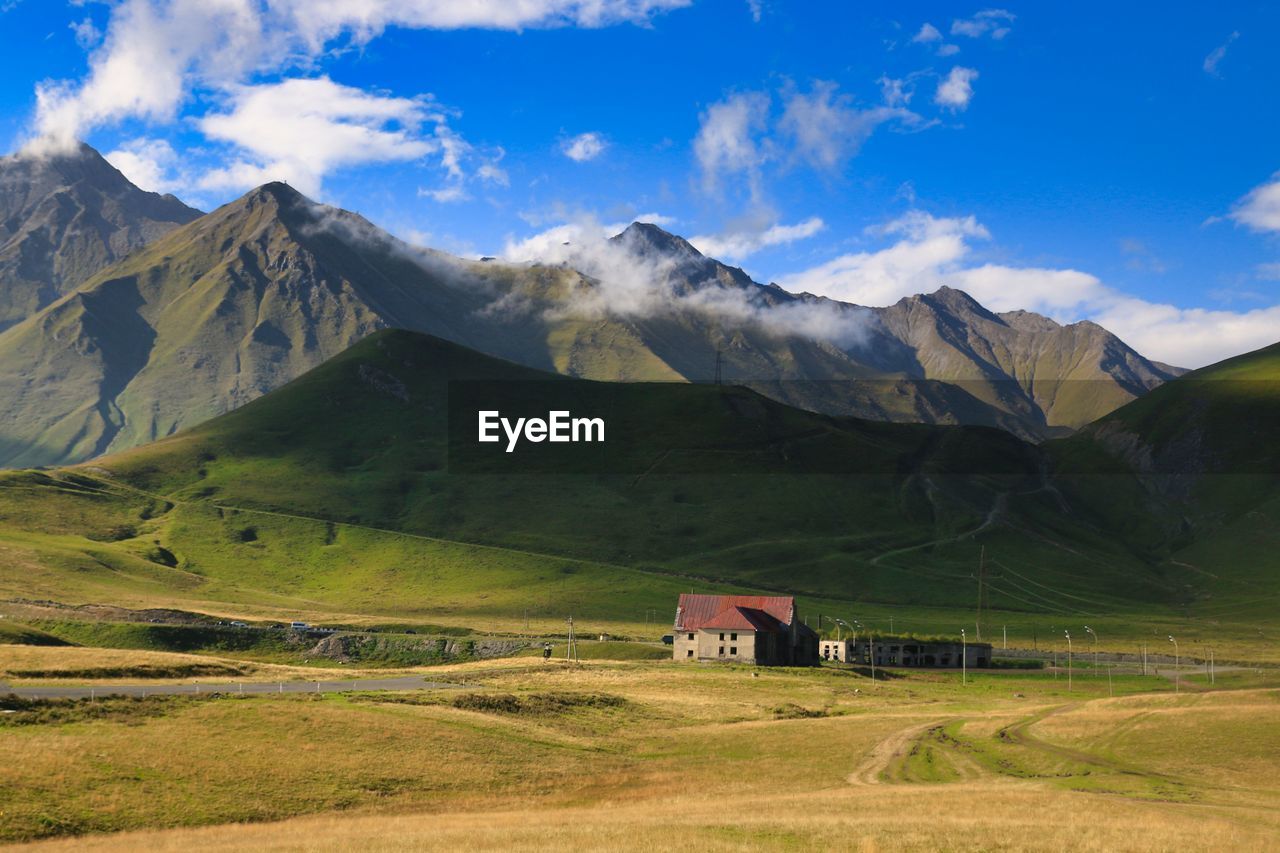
(976, 817)
(714, 758)
(86, 665)
(60, 659)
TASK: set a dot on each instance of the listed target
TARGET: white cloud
(948, 49)
(86, 32)
(629, 284)
(1268, 271)
(727, 141)
(157, 53)
(493, 174)
(320, 21)
(928, 33)
(151, 164)
(1218, 54)
(1260, 209)
(299, 130)
(444, 195)
(756, 7)
(930, 252)
(914, 264)
(739, 244)
(153, 52)
(583, 147)
(956, 90)
(895, 91)
(1188, 337)
(992, 22)
(825, 128)
(822, 128)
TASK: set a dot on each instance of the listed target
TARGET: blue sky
(1103, 161)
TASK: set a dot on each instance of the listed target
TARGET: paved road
(412, 682)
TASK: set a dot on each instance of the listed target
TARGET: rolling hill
(240, 301)
(339, 489)
(63, 217)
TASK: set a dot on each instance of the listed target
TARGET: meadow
(526, 754)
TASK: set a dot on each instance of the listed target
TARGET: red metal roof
(705, 611)
(744, 619)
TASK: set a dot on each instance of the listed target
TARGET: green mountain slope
(64, 217)
(1191, 472)
(338, 489)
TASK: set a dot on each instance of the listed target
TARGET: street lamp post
(1177, 687)
(964, 658)
(845, 649)
(1067, 634)
(1094, 634)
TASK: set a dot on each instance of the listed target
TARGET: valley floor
(524, 754)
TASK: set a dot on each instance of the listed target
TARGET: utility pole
(872, 641)
(571, 650)
(719, 362)
(982, 576)
(1005, 629)
(1211, 664)
(964, 658)
(1094, 633)
(1144, 658)
(1067, 634)
(1177, 686)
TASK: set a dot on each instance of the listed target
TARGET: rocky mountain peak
(645, 238)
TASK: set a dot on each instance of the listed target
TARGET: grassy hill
(336, 496)
(1191, 472)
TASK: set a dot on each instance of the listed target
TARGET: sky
(1112, 162)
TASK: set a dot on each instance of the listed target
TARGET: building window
(733, 637)
(722, 636)
(689, 653)
(733, 650)
(722, 651)
(691, 636)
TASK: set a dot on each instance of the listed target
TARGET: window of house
(691, 636)
(733, 637)
(722, 650)
(733, 650)
(689, 653)
(722, 636)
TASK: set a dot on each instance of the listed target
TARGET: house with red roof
(760, 629)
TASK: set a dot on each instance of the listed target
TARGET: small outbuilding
(894, 651)
(758, 629)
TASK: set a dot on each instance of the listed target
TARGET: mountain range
(167, 318)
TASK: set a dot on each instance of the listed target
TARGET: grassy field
(530, 755)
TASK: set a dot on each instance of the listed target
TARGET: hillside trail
(876, 763)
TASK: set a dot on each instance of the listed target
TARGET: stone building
(763, 630)
(894, 651)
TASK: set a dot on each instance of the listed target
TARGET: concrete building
(763, 630)
(899, 652)
(835, 650)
